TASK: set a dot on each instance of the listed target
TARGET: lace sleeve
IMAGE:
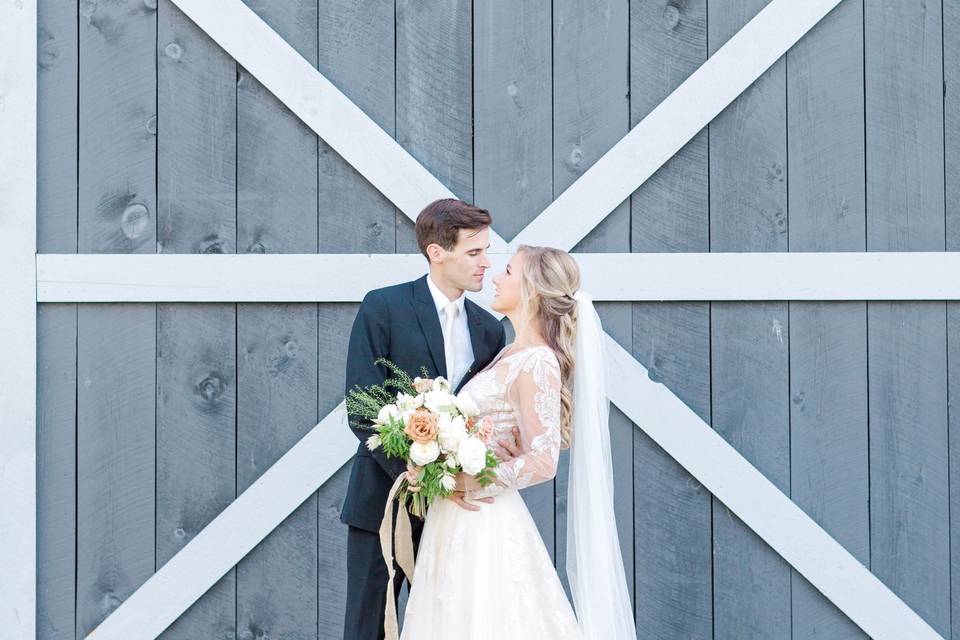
(533, 390)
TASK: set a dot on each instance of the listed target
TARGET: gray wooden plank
(56, 469)
(196, 150)
(277, 344)
(277, 405)
(115, 456)
(117, 128)
(909, 535)
(57, 78)
(749, 341)
(591, 112)
(828, 352)
(196, 438)
(196, 359)
(669, 212)
(115, 343)
(334, 322)
(434, 96)
(356, 52)
(951, 166)
(513, 142)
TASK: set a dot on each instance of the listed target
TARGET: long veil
(594, 563)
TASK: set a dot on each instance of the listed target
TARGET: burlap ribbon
(404, 536)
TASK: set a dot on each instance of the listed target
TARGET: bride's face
(507, 286)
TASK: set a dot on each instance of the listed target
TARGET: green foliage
(364, 404)
(486, 476)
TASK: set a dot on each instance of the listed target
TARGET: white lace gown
(486, 575)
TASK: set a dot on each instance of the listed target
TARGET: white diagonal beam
(320, 105)
(823, 561)
(18, 320)
(687, 110)
(842, 275)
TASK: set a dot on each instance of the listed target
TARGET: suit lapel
(426, 310)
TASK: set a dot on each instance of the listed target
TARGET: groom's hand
(508, 448)
(457, 496)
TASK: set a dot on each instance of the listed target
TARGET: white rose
(451, 433)
(406, 402)
(437, 400)
(466, 405)
(440, 384)
(472, 455)
(373, 441)
(452, 461)
(449, 482)
(387, 413)
(423, 453)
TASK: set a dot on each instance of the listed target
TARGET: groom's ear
(434, 253)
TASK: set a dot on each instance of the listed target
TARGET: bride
(485, 574)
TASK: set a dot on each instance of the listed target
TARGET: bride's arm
(535, 397)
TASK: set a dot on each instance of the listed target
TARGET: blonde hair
(550, 278)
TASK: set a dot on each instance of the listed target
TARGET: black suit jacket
(400, 322)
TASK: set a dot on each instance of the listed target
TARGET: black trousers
(367, 582)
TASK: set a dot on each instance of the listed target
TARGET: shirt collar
(440, 299)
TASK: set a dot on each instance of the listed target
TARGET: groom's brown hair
(440, 221)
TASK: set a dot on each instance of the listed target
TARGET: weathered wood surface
(847, 144)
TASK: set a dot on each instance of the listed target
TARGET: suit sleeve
(370, 339)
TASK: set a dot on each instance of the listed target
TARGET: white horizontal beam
(320, 105)
(789, 531)
(874, 275)
(18, 320)
(687, 110)
(233, 533)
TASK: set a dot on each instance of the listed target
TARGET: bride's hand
(413, 474)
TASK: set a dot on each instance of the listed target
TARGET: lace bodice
(520, 389)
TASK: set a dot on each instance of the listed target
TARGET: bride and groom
(482, 570)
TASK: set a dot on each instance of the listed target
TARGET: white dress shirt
(461, 333)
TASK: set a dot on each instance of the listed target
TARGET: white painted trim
(687, 110)
(823, 561)
(843, 275)
(18, 320)
(233, 533)
(320, 105)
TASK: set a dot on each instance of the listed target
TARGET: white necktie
(449, 353)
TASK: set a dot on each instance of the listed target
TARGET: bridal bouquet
(436, 432)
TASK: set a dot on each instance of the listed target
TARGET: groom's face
(464, 267)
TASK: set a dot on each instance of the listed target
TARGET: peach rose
(422, 385)
(422, 426)
(485, 428)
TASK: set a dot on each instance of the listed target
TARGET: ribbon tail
(391, 626)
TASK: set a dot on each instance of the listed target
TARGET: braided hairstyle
(550, 278)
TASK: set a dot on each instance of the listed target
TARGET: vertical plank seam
(633, 431)
(786, 178)
(713, 500)
(946, 308)
(76, 366)
(866, 304)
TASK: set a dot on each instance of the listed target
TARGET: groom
(426, 322)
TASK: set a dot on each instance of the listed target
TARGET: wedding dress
(487, 575)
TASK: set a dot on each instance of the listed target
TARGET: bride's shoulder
(528, 357)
